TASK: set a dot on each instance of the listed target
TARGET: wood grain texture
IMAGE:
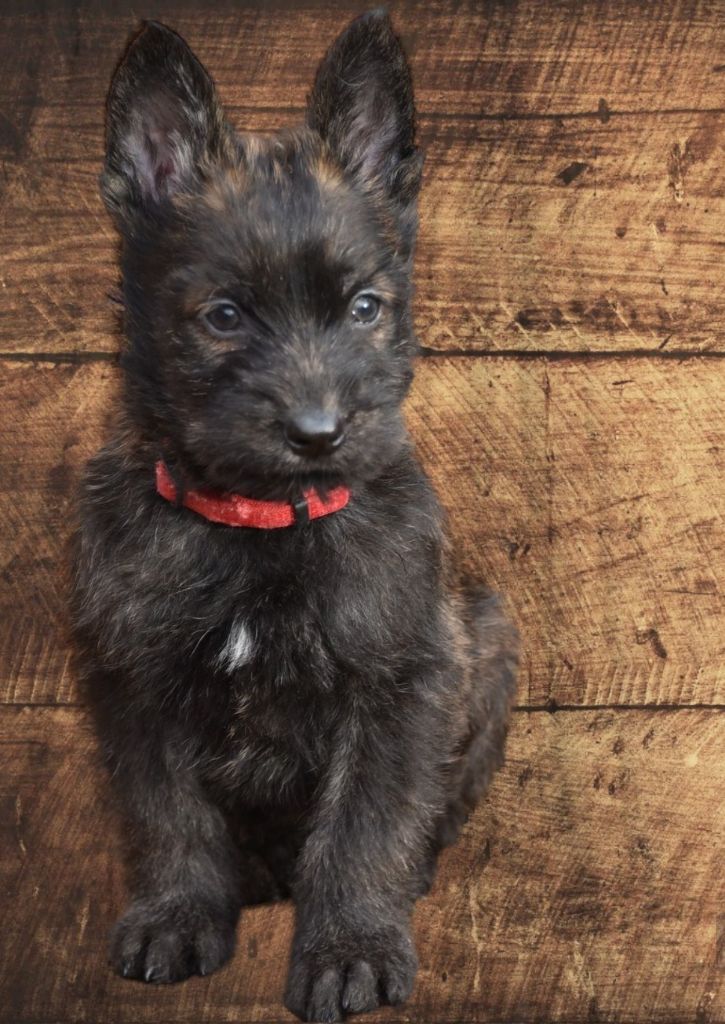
(589, 494)
(573, 197)
(588, 887)
(485, 57)
(55, 423)
(637, 531)
(572, 235)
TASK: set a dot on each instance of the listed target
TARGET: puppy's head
(267, 278)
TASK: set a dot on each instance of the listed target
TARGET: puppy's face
(267, 278)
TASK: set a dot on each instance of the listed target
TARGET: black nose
(314, 432)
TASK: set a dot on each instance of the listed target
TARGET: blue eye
(365, 308)
(223, 318)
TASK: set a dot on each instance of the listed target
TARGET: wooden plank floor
(571, 299)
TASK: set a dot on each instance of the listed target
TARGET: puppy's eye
(365, 308)
(222, 318)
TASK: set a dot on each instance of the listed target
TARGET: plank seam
(590, 115)
(476, 115)
(60, 357)
(553, 708)
(550, 355)
(555, 355)
(550, 707)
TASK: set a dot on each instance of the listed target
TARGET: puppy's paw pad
(166, 945)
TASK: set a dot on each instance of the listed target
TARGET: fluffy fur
(311, 710)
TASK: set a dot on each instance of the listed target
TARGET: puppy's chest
(263, 647)
(282, 697)
(283, 663)
(301, 633)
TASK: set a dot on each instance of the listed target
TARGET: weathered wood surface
(52, 425)
(477, 56)
(573, 196)
(589, 494)
(588, 887)
(573, 203)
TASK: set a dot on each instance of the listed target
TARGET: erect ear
(362, 105)
(163, 119)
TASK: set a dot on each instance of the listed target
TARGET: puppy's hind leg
(490, 655)
(495, 656)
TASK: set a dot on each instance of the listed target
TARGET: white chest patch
(237, 651)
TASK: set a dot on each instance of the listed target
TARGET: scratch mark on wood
(614, 305)
(479, 323)
(83, 918)
(41, 312)
(514, 317)
(568, 320)
(578, 973)
(572, 171)
(679, 162)
(651, 636)
(19, 825)
(95, 215)
(478, 944)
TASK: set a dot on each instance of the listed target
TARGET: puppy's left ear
(362, 105)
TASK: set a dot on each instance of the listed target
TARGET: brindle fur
(325, 701)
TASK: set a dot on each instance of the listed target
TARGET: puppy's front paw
(328, 980)
(164, 942)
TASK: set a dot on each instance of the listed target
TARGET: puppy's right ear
(163, 122)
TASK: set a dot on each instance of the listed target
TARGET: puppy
(281, 664)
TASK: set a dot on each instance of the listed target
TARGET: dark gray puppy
(283, 669)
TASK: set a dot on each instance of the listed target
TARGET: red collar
(234, 510)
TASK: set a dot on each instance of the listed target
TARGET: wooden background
(570, 407)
